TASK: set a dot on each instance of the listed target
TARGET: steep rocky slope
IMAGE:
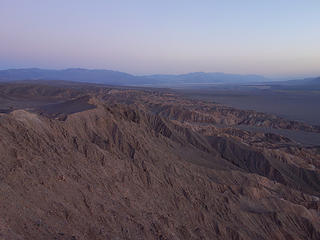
(145, 164)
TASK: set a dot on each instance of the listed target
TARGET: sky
(269, 37)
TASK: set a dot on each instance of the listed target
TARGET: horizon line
(267, 76)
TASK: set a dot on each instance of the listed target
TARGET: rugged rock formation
(145, 164)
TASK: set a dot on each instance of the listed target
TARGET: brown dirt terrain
(107, 163)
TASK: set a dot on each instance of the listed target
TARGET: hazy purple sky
(270, 37)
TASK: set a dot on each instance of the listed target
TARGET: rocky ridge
(146, 164)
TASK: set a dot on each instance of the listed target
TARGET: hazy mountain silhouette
(120, 78)
(306, 81)
(299, 84)
(202, 77)
(73, 74)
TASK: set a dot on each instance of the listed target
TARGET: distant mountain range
(206, 78)
(120, 78)
(309, 84)
(124, 79)
(73, 74)
(306, 81)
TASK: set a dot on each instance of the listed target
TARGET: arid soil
(93, 162)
